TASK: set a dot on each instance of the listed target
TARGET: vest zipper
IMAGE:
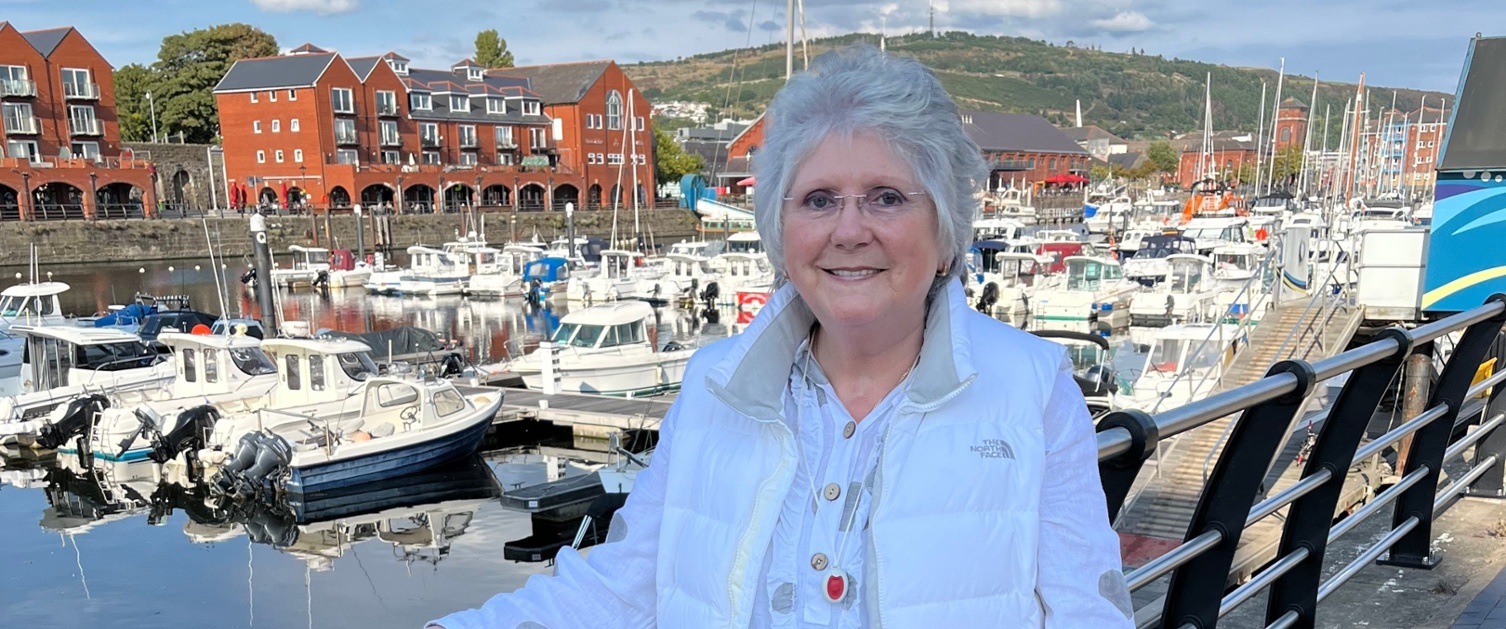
(741, 555)
(878, 494)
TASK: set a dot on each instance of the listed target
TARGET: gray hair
(860, 89)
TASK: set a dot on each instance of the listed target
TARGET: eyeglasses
(877, 202)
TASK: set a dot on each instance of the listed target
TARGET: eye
(887, 198)
(820, 200)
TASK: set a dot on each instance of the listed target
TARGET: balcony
(343, 136)
(85, 127)
(506, 143)
(391, 140)
(467, 143)
(18, 89)
(429, 141)
(25, 125)
(84, 91)
(386, 109)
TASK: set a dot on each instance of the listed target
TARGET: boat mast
(633, 161)
(1307, 140)
(1354, 139)
(1270, 180)
(789, 40)
(1259, 139)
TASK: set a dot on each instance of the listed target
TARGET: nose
(849, 230)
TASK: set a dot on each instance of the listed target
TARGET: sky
(1397, 43)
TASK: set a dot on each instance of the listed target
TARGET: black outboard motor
(989, 298)
(535, 294)
(453, 365)
(257, 457)
(77, 421)
(712, 292)
(321, 280)
(249, 277)
(190, 435)
(274, 529)
(1098, 381)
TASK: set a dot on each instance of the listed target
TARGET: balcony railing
(21, 124)
(85, 127)
(467, 143)
(345, 137)
(386, 109)
(507, 143)
(88, 91)
(391, 140)
(19, 88)
(429, 141)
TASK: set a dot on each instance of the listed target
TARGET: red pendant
(836, 586)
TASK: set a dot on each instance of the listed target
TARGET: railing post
(1118, 474)
(1309, 517)
(1430, 442)
(1197, 587)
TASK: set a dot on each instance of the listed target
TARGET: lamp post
(94, 192)
(441, 193)
(30, 209)
(515, 180)
(399, 194)
(360, 233)
(570, 226)
(153, 104)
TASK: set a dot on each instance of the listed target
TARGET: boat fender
(76, 421)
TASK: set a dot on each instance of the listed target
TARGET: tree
(671, 162)
(132, 82)
(189, 65)
(1163, 157)
(491, 50)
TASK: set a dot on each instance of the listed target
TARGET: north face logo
(993, 449)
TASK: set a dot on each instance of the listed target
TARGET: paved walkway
(1488, 609)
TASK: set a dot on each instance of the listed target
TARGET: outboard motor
(249, 277)
(321, 280)
(77, 421)
(453, 365)
(535, 292)
(257, 457)
(989, 298)
(712, 292)
(1098, 381)
(188, 437)
(267, 527)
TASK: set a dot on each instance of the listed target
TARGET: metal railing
(1453, 423)
(88, 91)
(20, 88)
(21, 124)
(85, 127)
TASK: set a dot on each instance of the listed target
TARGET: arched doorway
(58, 201)
(339, 197)
(496, 195)
(119, 200)
(297, 200)
(616, 199)
(10, 204)
(593, 196)
(531, 198)
(376, 195)
(566, 193)
(457, 196)
(180, 190)
(267, 197)
(418, 198)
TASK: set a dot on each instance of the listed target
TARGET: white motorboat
(1149, 266)
(1095, 291)
(742, 272)
(1114, 213)
(997, 228)
(1211, 233)
(33, 304)
(1006, 286)
(620, 277)
(1187, 295)
(502, 275)
(64, 363)
(1243, 280)
(317, 266)
(1013, 204)
(1184, 364)
(606, 350)
(433, 272)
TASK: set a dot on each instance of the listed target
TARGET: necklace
(834, 580)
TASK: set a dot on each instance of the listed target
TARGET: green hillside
(1133, 95)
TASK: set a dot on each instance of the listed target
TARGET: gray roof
(445, 80)
(1017, 132)
(514, 115)
(708, 134)
(47, 41)
(1124, 161)
(560, 83)
(274, 72)
(363, 66)
(1474, 140)
(1090, 132)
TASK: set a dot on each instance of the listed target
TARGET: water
(88, 551)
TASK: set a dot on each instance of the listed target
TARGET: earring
(943, 271)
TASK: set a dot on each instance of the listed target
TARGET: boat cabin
(310, 258)
(217, 365)
(618, 324)
(1016, 266)
(619, 264)
(394, 405)
(686, 267)
(1191, 347)
(1273, 204)
(56, 357)
(1059, 235)
(516, 258)
(1164, 245)
(32, 304)
(423, 259)
(700, 249)
(547, 270)
(1085, 273)
(745, 242)
(1236, 261)
(997, 228)
(311, 371)
(1212, 232)
(1055, 254)
(1187, 273)
(743, 265)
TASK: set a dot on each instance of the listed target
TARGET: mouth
(853, 273)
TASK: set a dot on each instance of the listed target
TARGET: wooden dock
(581, 410)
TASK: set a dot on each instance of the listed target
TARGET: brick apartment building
(332, 131)
(61, 156)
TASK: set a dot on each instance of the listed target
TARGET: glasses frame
(862, 204)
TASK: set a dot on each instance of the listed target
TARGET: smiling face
(866, 269)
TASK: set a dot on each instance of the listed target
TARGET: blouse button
(818, 561)
(833, 491)
(850, 428)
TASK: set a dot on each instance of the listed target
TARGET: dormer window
(475, 74)
(460, 103)
(496, 106)
(400, 67)
(530, 108)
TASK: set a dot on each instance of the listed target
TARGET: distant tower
(933, 20)
(1291, 124)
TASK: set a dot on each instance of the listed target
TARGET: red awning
(747, 182)
(1066, 178)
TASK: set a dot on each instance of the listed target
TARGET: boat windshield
(25, 306)
(1234, 261)
(744, 246)
(1090, 274)
(357, 365)
(252, 361)
(577, 335)
(1015, 267)
(1185, 276)
(1085, 356)
(1175, 355)
(114, 356)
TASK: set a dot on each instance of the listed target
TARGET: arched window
(614, 110)
(1286, 135)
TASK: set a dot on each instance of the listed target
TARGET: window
(614, 110)
(261, 157)
(347, 156)
(276, 125)
(475, 74)
(292, 94)
(293, 125)
(293, 380)
(504, 137)
(496, 106)
(1286, 135)
(345, 131)
(590, 158)
(504, 159)
(431, 157)
(420, 101)
(530, 108)
(298, 155)
(428, 133)
(639, 123)
(316, 372)
(389, 133)
(357, 365)
(400, 67)
(390, 394)
(448, 402)
(386, 102)
(254, 98)
(590, 121)
(279, 156)
(536, 138)
(460, 103)
(86, 150)
(614, 158)
(467, 159)
(392, 157)
(252, 361)
(76, 84)
(341, 101)
(211, 365)
(256, 126)
(81, 120)
(467, 135)
(1052, 167)
(190, 365)
(272, 95)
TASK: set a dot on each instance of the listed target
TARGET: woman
(871, 452)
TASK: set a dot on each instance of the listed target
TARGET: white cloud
(1124, 22)
(1003, 8)
(322, 7)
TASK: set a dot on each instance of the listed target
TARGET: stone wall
(81, 242)
(184, 174)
